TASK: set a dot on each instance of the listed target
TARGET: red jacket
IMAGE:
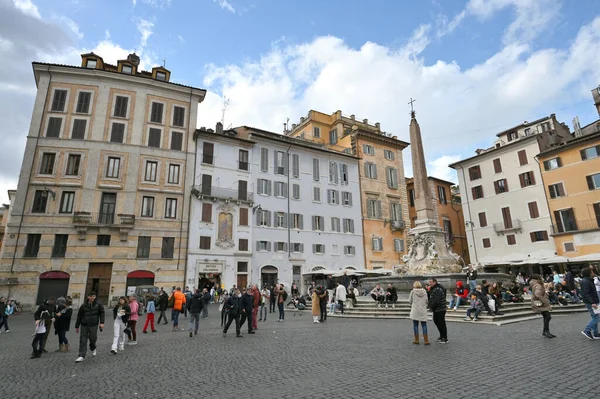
(461, 291)
(256, 296)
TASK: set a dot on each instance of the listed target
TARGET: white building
(504, 201)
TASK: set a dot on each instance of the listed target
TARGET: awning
(374, 271)
(325, 272)
(141, 274)
(586, 258)
(54, 275)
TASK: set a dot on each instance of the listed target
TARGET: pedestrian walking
(121, 313)
(281, 298)
(62, 324)
(330, 284)
(255, 306)
(272, 299)
(589, 296)
(48, 308)
(150, 311)
(5, 311)
(232, 307)
(188, 295)
(178, 299)
(246, 309)
(316, 306)
(265, 299)
(418, 311)
(540, 303)
(38, 335)
(10, 308)
(133, 319)
(205, 301)
(194, 307)
(323, 300)
(340, 295)
(163, 303)
(437, 304)
(89, 317)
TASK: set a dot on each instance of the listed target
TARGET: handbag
(537, 303)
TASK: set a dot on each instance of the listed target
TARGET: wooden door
(98, 280)
(242, 280)
(507, 218)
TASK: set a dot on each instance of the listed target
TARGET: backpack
(284, 295)
(140, 311)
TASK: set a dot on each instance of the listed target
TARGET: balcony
(508, 227)
(243, 165)
(220, 193)
(85, 220)
(575, 226)
(395, 225)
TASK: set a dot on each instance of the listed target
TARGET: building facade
(101, 203)
(447, 208)
(383, 196)
(504, 198)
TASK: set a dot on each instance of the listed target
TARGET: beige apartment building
(384, 200)
(102, 201)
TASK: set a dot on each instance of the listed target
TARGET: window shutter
(532, 178)
(522, 157)
(583, 155)
(561, 190)
(269, 246)
(285, 220)
(322, 222)
(590, 182)
(559, 224)
(546, 165)
(329, 196)
(497, 165)
(285, 246)
(545, 235)
(301, 247)
(497, 187)
(351, 225)
(316, 172)
(378, 204)
(374, 171)
(314, 223)
(522, 180)
(597, 212)
(275, 155)
(532, 236)
(285, 190)
(559, 162)
(257, 245)
(314, 248)
(367, 170)
(482, 219)
(286, 163)
(295, 165)
(268, 187)
(264, 159)
(350, 199)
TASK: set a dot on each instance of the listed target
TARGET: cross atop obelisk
(411, 105)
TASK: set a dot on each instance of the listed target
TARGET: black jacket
(232, 306)
(163, 301)
(51, 309)
(125, 317)
(247, 302)
(393, 292)
(63, 322)
(206, 298)
(588, 291)
(90, 314)
(2, 308)
(471, 275)
(570, 280)
(330, 284)
(196, 303)
(437, 298)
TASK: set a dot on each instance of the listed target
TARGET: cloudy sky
(475, 67)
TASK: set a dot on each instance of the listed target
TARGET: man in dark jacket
(391, 296)
(162, 304)
(50, 307)
(232, 308)
(437, 304)
(194, 306)
(247, 306)
(590, 298)
(272, 300)
(471, 277)
(90, 314)
(2, 310)
(206, 300)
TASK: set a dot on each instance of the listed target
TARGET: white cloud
(73, 27)
(224, 4)
(438, 167)
(28, 8)
(145, 28)
(155, 3)
(180, 38)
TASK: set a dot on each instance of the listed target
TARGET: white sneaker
(94, 352)
(121, 348)
(79, 359)
(394, 306)
(386, 306)
(132, 343)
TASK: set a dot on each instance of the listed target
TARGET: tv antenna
(285, 125)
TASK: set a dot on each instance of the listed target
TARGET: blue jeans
(457, 301)
(416, 327)
(593, 324)
(62, 336)
(175, 317)
(476, 311)
(281, 311)
(473, 285)
(263, 310)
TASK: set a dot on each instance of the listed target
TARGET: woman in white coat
(418, 311)
(340, 295)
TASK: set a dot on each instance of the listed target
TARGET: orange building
(448, 209)
(381, 173)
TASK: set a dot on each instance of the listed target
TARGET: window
(346, 198)
(154, 137)
(565, 220)
(348, 226)
(512, 136)
(280, 246)
(117, 132)
(474, 172)
(370, 170)
(316, 194)
(147, 207)
(156, 112)
(538, 236)
(333, 173)
(507, 218)
(316, 132)
(59, 100)
(497, 165)
(528, 132)
(553, 163)
(83, 102)
(447, 226)
(349, 250)
(593, 181)
(179, 116)
(66, 202)
(333, 136)
(243, 217)
(263, 186)
(263, 218)
(501, 186)
(59, 249)
(296, 191)
(318, 223)
(161, 76)
(392, 177)
(121, 107)
(171, 208)
(127, 69)
(143, 248)
(442, 195)
(318, 248)
(280, 219)
(263, 245)
(527, 179)
(316, 172)
(344, 176)
(208, 149)
(590, 153)
(264, 159)
(335, 249)
(40, 199)
(103, 240)
(511, 239)
(569, 247)
(389, 155)
(533, 210)
(176, 141)
(486, 243)
(280, 189)
(33, 246)
(556, 190)
(297, 220)
(91, 64)
(207, 212)
(108, 203)
(205, 242)
(482, 219)
(243, 244)
(477, 192)
(368, 149)
(168, 247)
(374, 209)
(280, 166)
(544, 127)
(295, 165)
(47, 164)
(522, 157)
(333, 197)
(398, 245)
(596, 207)
(242, 267)
(335, 224)
(395, 211)
(173, 175)
(78, 132)
(297, 247)
(377, 244)
(150, 173)
(112, 167)
(243, 160)
(411, 197)
(54, 125)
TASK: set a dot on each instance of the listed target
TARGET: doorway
(139, 278)
(98, 280)
(268, 276)
(107, 208)
(52, 284)
(242, 281)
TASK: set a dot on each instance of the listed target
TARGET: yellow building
(448, 209)
(381, 175)
(571, 175)
(102, 201)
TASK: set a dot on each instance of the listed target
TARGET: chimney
(353, 117)
(294, 126)
(366, 121)
(219, 128)
(302, 119)
(377, 125)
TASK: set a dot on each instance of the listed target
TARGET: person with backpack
(136, 312)
(163, 302)
(206, 300)
(178, 300)
(195, 306)
(282, 296)
(150, 310)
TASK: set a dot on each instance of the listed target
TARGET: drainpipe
(37, 139)
(546, 197)
(289, 228)
(183, 202)
(470, 218)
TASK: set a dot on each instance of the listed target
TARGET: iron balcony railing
(507, 226)
(222, 193)
(576, 225)
(103, 218)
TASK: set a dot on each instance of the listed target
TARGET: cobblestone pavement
(298, 359)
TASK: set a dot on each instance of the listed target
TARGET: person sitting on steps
(378, 294)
